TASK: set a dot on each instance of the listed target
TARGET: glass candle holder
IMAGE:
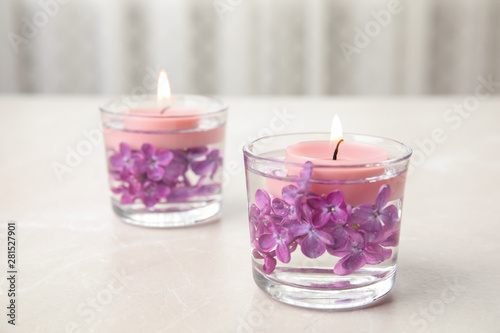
(324, 234)
(165, 159)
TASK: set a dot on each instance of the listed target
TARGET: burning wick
(337, 150)
(336, 134)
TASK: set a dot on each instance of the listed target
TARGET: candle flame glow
(163, 91)
(336, 133)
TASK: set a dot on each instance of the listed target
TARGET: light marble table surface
(80, 269)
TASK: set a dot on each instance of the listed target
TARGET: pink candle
(351, 160)
(177, 127)
(154, 119)
(322, 152)
(169, 122)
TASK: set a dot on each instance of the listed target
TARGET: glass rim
(219, 108)
(248, 153)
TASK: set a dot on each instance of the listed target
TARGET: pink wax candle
(321, 151)
(158, 119)
(168, 122)
(177, 127)
(355, 161)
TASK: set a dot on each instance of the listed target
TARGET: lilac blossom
(130, 187)
(340, 234)
(280, 207)
(129, 192)
(254, 219)
(152, 193)
(290, 193)
(179, 194)
(257, 212)
(331, 208)
(292, 196)
(195, 153)
(123, 174)
(269, 261)
(392, 239)
(124, 159)
(358, 253)
(176, 168)
(153, 161)
(269, 264)
(374, 220)
(313, 241)
(262, 206)
(150, 174)
(278, 237)
(305, 175)
(180, 163)
(359, 236)
(209, 165)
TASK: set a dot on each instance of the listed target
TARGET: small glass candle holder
(324, 233)
(165, 159)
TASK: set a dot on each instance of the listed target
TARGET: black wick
(164, 109)
(337, 150)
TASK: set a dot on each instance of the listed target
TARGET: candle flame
(163, 91)
(336, 133)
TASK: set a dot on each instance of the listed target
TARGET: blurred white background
(249, 46)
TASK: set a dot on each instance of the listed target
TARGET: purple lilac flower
(124, 159)
(268, 237)
(358, 253)
(150, 174)
(152, 193)
(130, 187)
(331, 208)
(313, 241)
(122, 174)
(305, 175)
(254, 219)
(290, 193)
(180, 194)
(280, 207)
(278, 237)
(153, 161)
(292, 196)
(392, 239)
(195, 153)
(286, 207)
(256, 254)
(376, 219)
(135, 178)
(340, 234)
(180, 164)
(177, 167)
(209, 165)
(319, 224)
(269, 264)
(262, 206)
(129, 192)
(258, 213)
(269, 261)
